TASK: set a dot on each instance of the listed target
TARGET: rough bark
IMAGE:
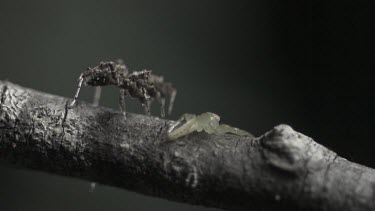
(280, 169)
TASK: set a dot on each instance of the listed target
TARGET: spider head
(107, 66)
(106, 73)
(112, 67)
(140, 75)
(96, 78)
(100, 75)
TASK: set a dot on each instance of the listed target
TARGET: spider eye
(101, 65)
(146, 73)
(111, 66)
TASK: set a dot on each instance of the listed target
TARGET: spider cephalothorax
(139, 84)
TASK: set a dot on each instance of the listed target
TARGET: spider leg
(80, 80)
(146, 101)
(147, 105)
(161, 100)
(162, 107)
(97, 94)
(122, 101)
(171, 101)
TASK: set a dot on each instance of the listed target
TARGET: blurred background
(255, 63)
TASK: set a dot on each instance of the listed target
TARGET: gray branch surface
(280, 169)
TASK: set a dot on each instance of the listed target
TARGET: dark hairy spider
(139, 84)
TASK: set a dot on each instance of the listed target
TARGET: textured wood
(281, 169)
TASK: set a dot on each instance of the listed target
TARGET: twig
(281, 169)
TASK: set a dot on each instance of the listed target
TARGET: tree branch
(281, 169)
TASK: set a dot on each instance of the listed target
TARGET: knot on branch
(285, 149)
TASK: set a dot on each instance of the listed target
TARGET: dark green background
(255, 63)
